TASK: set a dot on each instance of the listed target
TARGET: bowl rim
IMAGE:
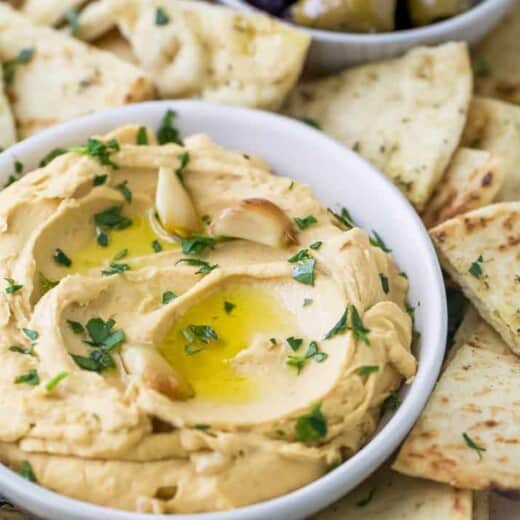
(435, 30)
(336, 483)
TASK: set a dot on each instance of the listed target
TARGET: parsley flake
(294, 343)
(99, 180)
(125, 191)
(340, 327)
(303, 271)
(312, 426)
(476, 267)
(9, 67)
(365, 370)
(358, 329)
(366, 500)
(167, 297)
(76, 327)
(470, 443)
(26, 471)
(141, 138)
(61, 258)
(115, 268)
(184, 159)
(305, 222)
(197, 244)
(343, 218)
(377, 241)
(51, 156)
(311, 122)
(99, 151)
(384, 283)
(55, 381)
(161, 18)
(167, 133)
(197, 335)
(31, 334)
(30, 378)
(316, 245)
(204, 267)
(13, 287)
(156, 246)
(228, 307)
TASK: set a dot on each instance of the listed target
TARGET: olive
(346, 15)
(424, 12)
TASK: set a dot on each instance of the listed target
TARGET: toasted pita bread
(49, 12)
(473, 408)
(405, 115)
(207, 51)
(496, 61)
(471, 181)
(391, 496)
(480, 250)
(71, 78)
(7, 128)
(494, 126)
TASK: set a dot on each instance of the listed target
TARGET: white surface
(339, 178)
(331, 51)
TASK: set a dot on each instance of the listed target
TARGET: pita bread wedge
(469, 433)
(494, 126)
(206, 51)
(71, 78)
(7, 128)
(405, 115)
(49, 12)
(471, 181)
(480, 250)
(388, 495)
(496, 61)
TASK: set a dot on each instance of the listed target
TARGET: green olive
(346, 15)
(423, 12)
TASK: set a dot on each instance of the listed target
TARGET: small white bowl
(339, 177)
(332, 51)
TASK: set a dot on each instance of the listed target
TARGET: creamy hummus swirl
(141, 375)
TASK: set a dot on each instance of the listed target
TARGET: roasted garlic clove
(155, 372)
(174, 205)
(258, 220)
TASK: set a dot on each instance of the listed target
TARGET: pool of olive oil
(250, 310)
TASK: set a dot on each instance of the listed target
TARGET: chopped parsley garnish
(115, 268)
(294, 343)
(470, 443)
(297, 362)
(142, 136)
(476, 267)
(156, 246)
(13, 287)
(72, 19)
(103, 340)
(161, 18)
(206, 219)
(365, 370)
(30, 378)
(76, 327)
(125, 191)
(312, 426)
(402, 274)
(9, 67)
(26, 471)
(377, 241)
(384, 283)
(102, 335)
(228, 307)
(51, 156)
(61, 258)
(197, 335)
(316, 245)
(55, 381)
(311, 122)
(204, 267)
(99, 151)
(481, 67)
(123, 253)
(359, 330)
(366, 500)
(22, 350)
(340, 327)
(392, 402)
(31, 334)
(99, 179)
(167, 133)
(313, 352)
(45, 283)
(303, 271)
(307, 302)
(202, 427)
(305, 222)
(18, 167)
(184, 159)
(197, 244)
(108, 220)
(299, 256)
(343, 218)
(167, 297)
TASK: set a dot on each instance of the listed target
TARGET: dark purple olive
(275, 7)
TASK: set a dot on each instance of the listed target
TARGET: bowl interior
(339, 178)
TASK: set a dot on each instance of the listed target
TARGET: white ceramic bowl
(340, 178)
(331, 51)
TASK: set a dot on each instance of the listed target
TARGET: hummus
(145, 373)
